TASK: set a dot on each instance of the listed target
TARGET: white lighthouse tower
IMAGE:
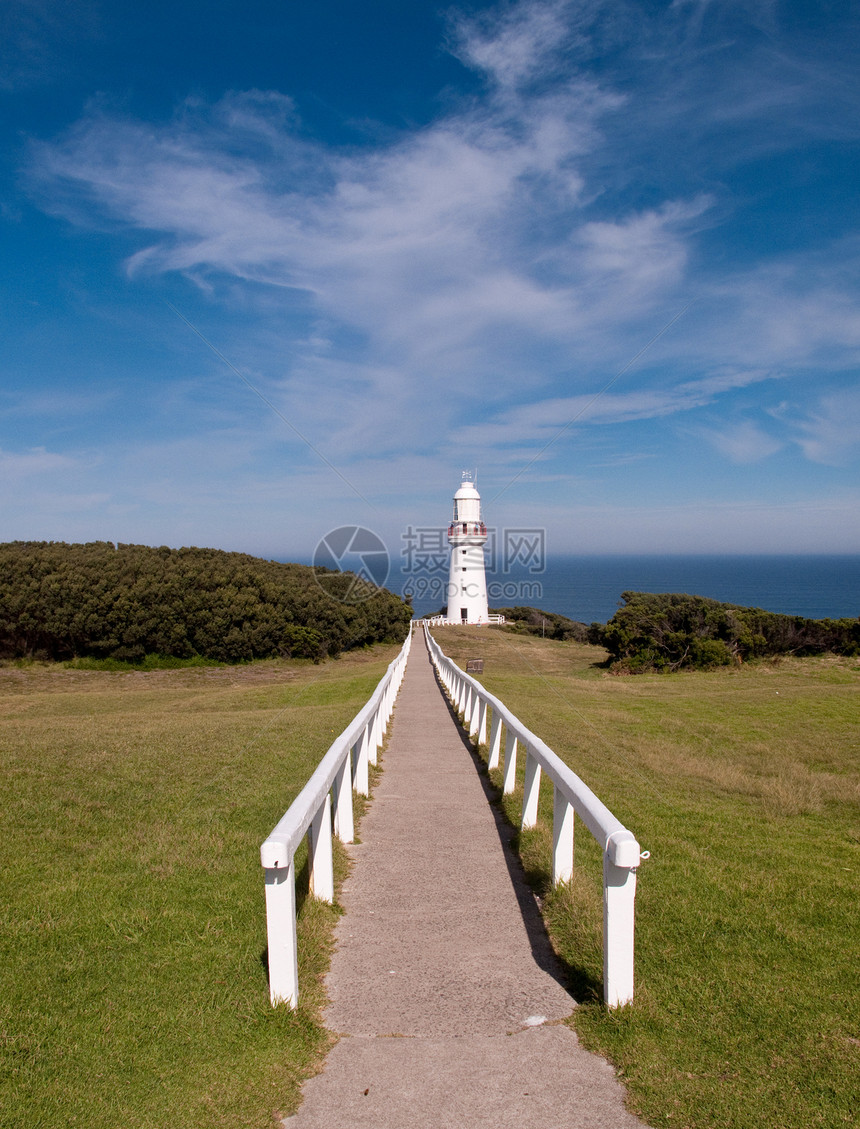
(467, 584)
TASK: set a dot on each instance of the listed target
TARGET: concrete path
(443, 985)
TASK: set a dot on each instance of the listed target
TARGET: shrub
(535, 621)
(125, 602)
(674, 632)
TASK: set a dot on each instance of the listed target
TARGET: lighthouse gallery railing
(621, 853)
(344, 768)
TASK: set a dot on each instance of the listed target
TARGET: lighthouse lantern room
(467, 583)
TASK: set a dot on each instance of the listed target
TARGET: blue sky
(273, 268)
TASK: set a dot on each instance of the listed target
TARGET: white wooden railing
(344, 768)
(621, 853)
(443, 621)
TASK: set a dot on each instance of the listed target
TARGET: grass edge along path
(133, 936)
(745, 786)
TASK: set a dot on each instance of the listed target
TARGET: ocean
(589, 588)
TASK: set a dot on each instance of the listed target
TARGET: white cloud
(793, 310)
(470, 285)
(545, 420)
(743, 442)
(427, 246)
(830, 433)
(23, 464)
(645, 250)
(519, 46)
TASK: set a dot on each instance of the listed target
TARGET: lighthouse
(467, 584)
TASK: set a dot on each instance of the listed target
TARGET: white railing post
(320, 853)
(495, 740)
(531, 790)
(373, 739)
(562, 837)
(481, 727)
(474, 712)
(510, 773)
(281, 931)
(619, 895)
(344, 820)
(362, 776)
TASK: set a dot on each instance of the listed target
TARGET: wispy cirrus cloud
(543, 420)
(443, 235)
(828, 431)
(473, 282)
(35, 36)
(742, 442)
(15, 465)
(434, 224)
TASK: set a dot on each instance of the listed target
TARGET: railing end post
(619, 896)
(283, 957)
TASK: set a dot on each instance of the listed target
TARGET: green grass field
(744, 784)
(133, 978)
(133, 933)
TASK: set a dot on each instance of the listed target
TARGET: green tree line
(61, 601)
(673, 632)
(535, 621)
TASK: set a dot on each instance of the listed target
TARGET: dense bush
(551, 625)
(672, 632)
(60, 601)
